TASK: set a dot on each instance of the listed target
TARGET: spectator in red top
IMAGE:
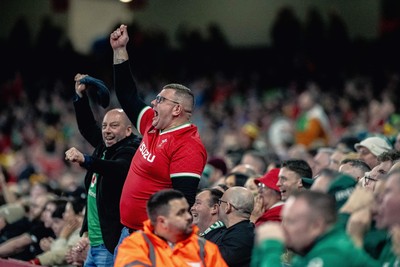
(268, 203)
(171, 154)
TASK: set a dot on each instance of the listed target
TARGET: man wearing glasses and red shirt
(171, 154)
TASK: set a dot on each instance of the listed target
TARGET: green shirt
(216, 225)
(376, 241)
(332, 249)
(395, 262)
(387, 257)
(94, 231)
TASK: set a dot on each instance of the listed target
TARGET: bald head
(241, 198)
(121, 114)
(115, 127)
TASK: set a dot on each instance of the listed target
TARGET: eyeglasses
(369, 179)
(160, 99)
(261, 186)
(223, 201)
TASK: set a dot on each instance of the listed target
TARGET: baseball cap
(269, 179)
(341, 188)
(377, 145)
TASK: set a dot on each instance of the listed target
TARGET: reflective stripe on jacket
(147, 249)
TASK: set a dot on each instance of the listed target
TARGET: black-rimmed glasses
(260, 185)
(223, 201)
(369, 179)
(160, 99)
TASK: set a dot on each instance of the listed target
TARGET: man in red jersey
(171, 154)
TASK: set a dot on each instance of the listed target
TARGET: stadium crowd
(313, 105)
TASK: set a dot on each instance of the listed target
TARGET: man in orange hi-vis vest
(168, 238)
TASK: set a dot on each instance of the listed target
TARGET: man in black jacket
(236, 242)
(115, 145)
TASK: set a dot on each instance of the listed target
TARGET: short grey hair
(182, 92)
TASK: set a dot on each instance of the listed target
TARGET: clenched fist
(74, 155)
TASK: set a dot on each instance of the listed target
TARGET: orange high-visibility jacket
(147, 249)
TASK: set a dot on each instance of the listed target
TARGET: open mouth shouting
(109, 140)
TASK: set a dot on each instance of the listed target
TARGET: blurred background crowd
(254, 100)
(245, 98)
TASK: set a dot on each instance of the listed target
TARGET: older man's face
(376, 174)
(390, 206)
(365, 155)
(297, 224)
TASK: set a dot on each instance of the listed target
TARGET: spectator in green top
(309, 230)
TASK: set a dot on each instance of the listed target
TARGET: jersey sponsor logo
(145, 153)
(94, 180)
(343, 194)
(92, 194)
(163, 142)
